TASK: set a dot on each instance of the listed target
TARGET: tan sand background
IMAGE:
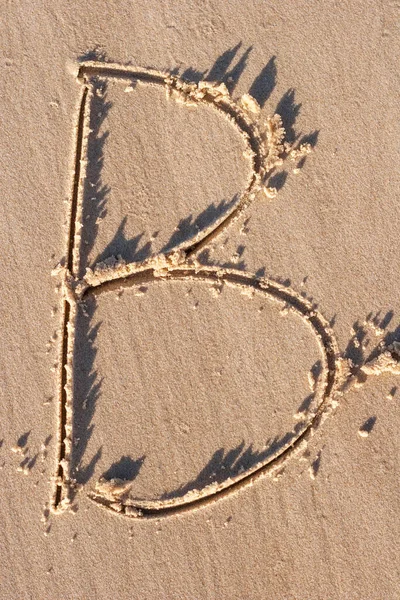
(329, 527)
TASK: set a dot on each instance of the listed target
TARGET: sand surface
(268, 349)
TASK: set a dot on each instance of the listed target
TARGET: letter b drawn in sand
(265, 150)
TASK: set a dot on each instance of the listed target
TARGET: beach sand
(220, 421)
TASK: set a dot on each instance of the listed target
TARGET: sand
(200, 301)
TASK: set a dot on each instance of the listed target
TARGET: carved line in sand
(116, 495)
(265, 148)
(263, 139)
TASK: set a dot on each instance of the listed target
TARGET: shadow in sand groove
(87, 386)
(227, 464)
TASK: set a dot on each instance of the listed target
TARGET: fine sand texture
(200, 300)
